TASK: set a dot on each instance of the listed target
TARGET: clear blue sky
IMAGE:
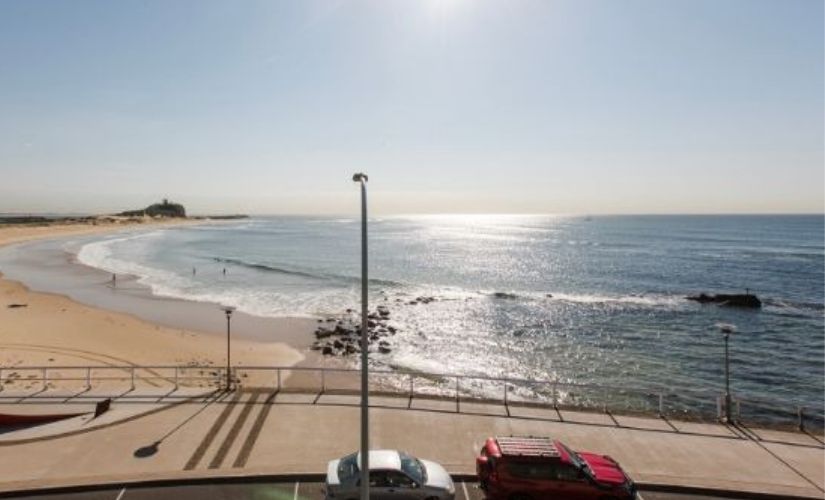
(613, 106)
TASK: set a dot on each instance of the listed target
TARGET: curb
(319, 477)
(718, 492)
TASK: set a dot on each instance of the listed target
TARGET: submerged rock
(343, 338)
(746, 300)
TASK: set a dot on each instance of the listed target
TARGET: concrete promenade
(195, 434)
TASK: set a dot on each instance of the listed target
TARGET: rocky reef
(746, 300)
(341, 336)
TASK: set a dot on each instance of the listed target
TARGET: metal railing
(457, 388)
(750, 408)
(84, 376)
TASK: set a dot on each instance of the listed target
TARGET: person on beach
(193, 271)
(114, 280)
(224, 271)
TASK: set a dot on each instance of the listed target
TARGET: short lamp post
(228, 310)
(365, 387)
(726, 330)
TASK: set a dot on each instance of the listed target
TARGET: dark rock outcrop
(340, 335)
(746, 300)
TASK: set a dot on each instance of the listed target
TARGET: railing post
(800, 413)
(176, 378)
(738, 410)
(45, 378)
(661, 404)
(1, 380)
(133, 377)
(457, 392)
(718, 407)
(323, 380)
(412, 387)
(604, 399)
(505, 393)
(88, 378)
(555, 394)
(278, 372)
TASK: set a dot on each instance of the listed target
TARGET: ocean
(585, 300)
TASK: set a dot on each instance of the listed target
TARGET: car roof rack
(527, 446)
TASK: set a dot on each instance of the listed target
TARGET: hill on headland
(163, 209)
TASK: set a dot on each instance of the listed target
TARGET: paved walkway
(261, 432)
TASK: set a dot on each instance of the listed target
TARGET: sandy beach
(43, 329)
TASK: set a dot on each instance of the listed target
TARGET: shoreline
(42, 327)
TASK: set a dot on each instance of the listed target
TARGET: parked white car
(394, 475)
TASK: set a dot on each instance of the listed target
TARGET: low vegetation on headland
(163, 210)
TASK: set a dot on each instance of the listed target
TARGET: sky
(476, 106)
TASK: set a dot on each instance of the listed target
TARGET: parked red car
(533, 468)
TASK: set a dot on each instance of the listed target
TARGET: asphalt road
(262, 491)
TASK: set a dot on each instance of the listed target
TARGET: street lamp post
(228, 310)
(365, 414)
(726, 330)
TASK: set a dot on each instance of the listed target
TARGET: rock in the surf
(746, 300)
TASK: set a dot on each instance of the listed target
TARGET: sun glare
(444, 8)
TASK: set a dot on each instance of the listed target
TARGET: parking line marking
(295, 497)
(120, 495)
(464, 487)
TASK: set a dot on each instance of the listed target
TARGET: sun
(444, 8)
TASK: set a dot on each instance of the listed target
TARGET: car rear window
(348, 468)
(413, 468)
(532, 470)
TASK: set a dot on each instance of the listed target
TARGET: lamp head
(360, 177)
(726, 328)
(228, 310)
